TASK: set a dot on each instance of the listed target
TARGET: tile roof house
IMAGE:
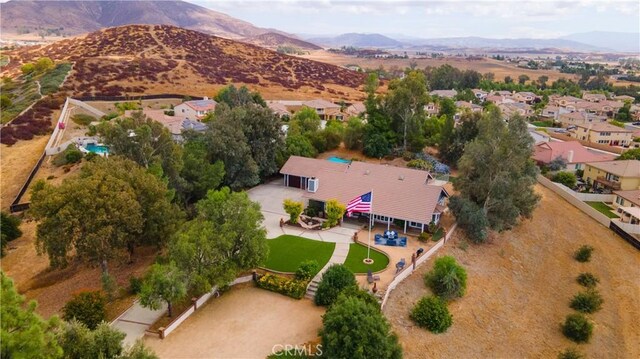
(278, 108)
(511, 109)
(327, 110)
(196, 109)
(574, 154)
(525, 97)
(617, 175)
(603, 133)
(175, 124)
(398, 193)
(625, 98)
(444, 93)
(594, 97)
(355, 109)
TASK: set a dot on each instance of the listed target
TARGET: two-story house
(613, 175)
(603, 133)
(196, 109)
(525, 97)
(627, 204)
(594, 97)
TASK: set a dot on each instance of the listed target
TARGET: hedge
(293, 288)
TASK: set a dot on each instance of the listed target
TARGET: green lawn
(358, 252)
(287, 252)
(603, 208)
(542, 123)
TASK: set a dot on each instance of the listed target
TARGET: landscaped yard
(603, 208)
(542, 123)
(358, 252)
(287, 252)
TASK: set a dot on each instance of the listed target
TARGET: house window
(415, 224)
(619, 200)
(435, 218)
(578, 166)
(379, 218)
(611, 177)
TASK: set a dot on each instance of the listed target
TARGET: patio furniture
(419, 251)
(372, 278)
(400, 265)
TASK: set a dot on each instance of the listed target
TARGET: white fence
(628, 227)
(197, 304)
(572, 197)
(423, 258)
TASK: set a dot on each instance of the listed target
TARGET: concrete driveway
(271, 195)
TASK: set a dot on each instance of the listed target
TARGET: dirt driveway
(245, 322)
(519, 288)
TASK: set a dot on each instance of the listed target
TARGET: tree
(632, 154)
(355, 329)
(23, 333)
(577, 327)
(522, 79)
(9, 230)
(335, 210)
(376, 145)
(199, 173)
(5, 102)
(305, 121)
(557, 164)
(542, 80)
(293, 209)
(405, 103)
(43, 64)
(225, 238)
(354, 133)
(237, 97)
(163, 283)
(432, 313)
(447, 107)
(453, 139)
(87, 308)
(111, 206)
(333, 134)
(470, 217)
(566, 178)
(335, 279)
(299, 145)
(624, 113)
(28, 69)
(508, 80)
(447, 279)
(497, 173)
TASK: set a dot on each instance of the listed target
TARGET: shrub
(109, 285)
(579, 173)
(424, 236)
(447, 279)
(86, 307)
(583, 254)
(9, 230)
(335, 210)
(336, 279)
(72, 154)
(570, 353)
(82, 119)
(293, 209)
(135, 285)
(432, 313)
(293, 288)
(577, 328)
(311, 211)
(420, 164)
(352, 328)
(362, 295)
(557, 164)
(588, 302)
(587, 280)
(566, 178)
(307, 270)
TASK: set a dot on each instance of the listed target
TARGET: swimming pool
(338, 159)
(97, 149)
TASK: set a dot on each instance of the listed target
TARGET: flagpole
(370, 222)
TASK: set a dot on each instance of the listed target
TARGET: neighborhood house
(614, 175)
(627, 204)
(603, 133)
(572, 152)
(399, 194)
(196, 109)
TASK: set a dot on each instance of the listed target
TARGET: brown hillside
(273, 40)
(146, 59)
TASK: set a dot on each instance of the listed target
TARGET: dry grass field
(16, 163)
(519, 287)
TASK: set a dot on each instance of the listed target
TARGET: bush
(293, 209)
(583, 254)
(293, 288)
(432, 313)
(72, 154)
(577, 328)
(335, 210)
(587, 302)
(566, 178)
(307, 270)
(135, 285)
(311, 211)
(570, 353)
(82, 119)
(420, 164)
(447, 279)
(587, 280)
(579, 173)
(86, 307)
(336, 279)
(9, 230)
(424, 236)
(362, 295)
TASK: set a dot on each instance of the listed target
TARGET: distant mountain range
(584, 42)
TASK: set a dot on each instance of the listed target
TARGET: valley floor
(518, 291)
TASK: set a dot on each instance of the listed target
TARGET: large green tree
(164, 283)
(354, 133)
(110, 207)
(453, 139)
(225, 238)
(405, 103)
(23, 333)
(199, 173)
(496, 171)
(236, 97)
(355, 329)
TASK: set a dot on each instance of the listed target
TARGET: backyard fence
(16, 206)
(409, 269)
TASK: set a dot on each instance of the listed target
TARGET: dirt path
(245, 322)
(519, 288)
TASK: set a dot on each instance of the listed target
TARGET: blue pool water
(98, 149)
(338, 159)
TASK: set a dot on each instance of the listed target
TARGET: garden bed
(287, 252)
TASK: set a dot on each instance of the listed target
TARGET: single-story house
(196, 109)
(574, 154)
(278, 108)
(327, 110)
(616, 175)
(355, 109)
(175, 124)
(403, 195)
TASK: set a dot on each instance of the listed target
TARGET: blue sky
(430, 19)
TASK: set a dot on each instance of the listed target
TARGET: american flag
(359, 204)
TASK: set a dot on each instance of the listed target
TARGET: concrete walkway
(338, 257)
(136, 320)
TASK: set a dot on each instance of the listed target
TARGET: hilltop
(81, 17)
(273, 40)
(145, 59)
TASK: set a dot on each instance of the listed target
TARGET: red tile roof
(546, 152)
(398, 192)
